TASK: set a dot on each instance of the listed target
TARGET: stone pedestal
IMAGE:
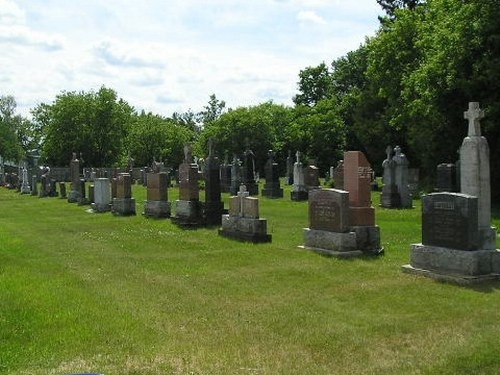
(336, 244)
(272, 190)
(157, 209)
(452, 265)
(212, 213)
(390, 197)
(188, 213)
(245, 229)
(123, 206)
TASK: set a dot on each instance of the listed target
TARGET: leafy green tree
(314, 85)
(94, 123)
(262, 126)
(212, 111)
(319, 132)
(152, 136)
(10, 124)
(391, 6)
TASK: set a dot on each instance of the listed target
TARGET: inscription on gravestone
(450, 220)
(329, 210)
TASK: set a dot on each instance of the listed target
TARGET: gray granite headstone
(450, 220)
(329, 210)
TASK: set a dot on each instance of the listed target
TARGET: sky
(166, 56)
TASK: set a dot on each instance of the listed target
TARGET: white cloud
(309, 16)
(168, 56)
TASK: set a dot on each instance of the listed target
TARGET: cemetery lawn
(94, 293)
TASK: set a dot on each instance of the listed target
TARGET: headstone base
(451, 264)
(362, 216)
(488, 237)
(299, 196)
(157, 209)
(84, 201)
(368, 239)
(188, 213)
(390, 197)
(358, 241)
(272, 192)
(123, 206)
(450, 277)
(101, 207)
(245, 229)
(74, 196)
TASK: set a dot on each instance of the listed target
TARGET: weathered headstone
(311, 176)
(414, 182)
(458, 242)
(249, 172)
(102, 195)
(34, 185)
(75, 192)
(289, 169)
(272, 188)
(446, 178)
(390, 197)
(299, 192)
(188, 208)
(62, 190)
(25, 186)
(91, 194)
(357, 181)
(338, 175)
(123, 204)
(235, 176)
(401, 177)
(243, 222)
(157, 204)
(329, 225)
(225, 175)
(213, 208)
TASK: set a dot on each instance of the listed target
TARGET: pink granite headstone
(357, 181)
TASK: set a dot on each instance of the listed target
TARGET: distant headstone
(414, 182)
(102, 195)
(249, 172)
(289, 169)
(188, 210)
(299, 192)
(446, 178)
(311, 176)
(272, 188)
(225, 175)
(124, 203)
(390, 197)
(236, 179)
(25, 186)
(213, 207)
(338, 175)
(243, 222)
(62, 190)
(34, 185)
(75, 193)
(157, 204)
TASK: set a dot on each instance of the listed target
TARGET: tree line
(407, 85)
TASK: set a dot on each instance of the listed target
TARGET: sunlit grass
(85, 292)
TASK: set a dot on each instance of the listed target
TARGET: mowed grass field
(94, 293)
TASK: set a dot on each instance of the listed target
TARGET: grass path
(85, 292)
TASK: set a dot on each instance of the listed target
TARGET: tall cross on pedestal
(474, 115)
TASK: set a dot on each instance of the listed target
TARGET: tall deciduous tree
(10, 127)
(314, 85)
(94, 123)
(152, 136)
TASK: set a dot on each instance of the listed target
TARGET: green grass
(85, 292)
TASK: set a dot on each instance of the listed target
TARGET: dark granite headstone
(450, 220)
(213, 207)
(446, 177)
(311, 176)
(272, 188)
(157, 186)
